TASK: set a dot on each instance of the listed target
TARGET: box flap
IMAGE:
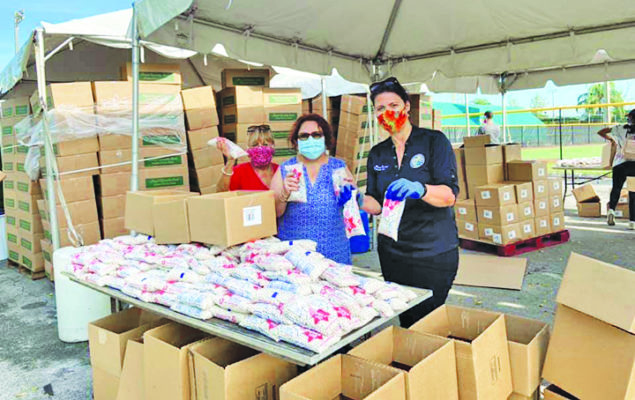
(599, 289)
(491, 271)
(361, 378)
(322, 381)
(131, 383)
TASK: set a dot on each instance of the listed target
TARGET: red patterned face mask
(392, 121)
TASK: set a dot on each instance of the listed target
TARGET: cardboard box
(67, 165)
(207, 157)
(209, 176)
(166, 370)
(29, 223)
(556, 204)
(74, 94)
(467, 229)
(26, 203)
(208, 189)
(116, 97)
(524, 191)
(109, 141)
(112, 206)
(220, 369)
(154, 73)
(281, 96)
(490, 154)
(629, 149)
(512, 152)
(167, 178)
(355, 105)
(526, 211)
(430, 361)
(16, 107)
(200, 107)
(527, 340)
(47, 253)
(557, 222)
(109, 158)
(131, 381)
(465, 210)
(495, 195)
(77, 146)
(541, 189)
(198, 139)
(24, 186)
(482, 354)
(283, 113)
(243, 114)
(237, 133)
(555, 187)
(347, 377)
(553, 392)
(479, 175)
(622, 211)
(162, 214)
(630, 183)
(476, 141)
(231, 218)
(543, 225)
(590, 358)
(527, 170)
(31, 243)
(516, 396)
(14, 252)
(541, 207)
(623, 197)
(90, 233)
(585, 193)
(500, 234)
(113, 184)
(527, 229)
(82, 212)
(245, 77)
(113, 227)
(589, 210)
(498, 215)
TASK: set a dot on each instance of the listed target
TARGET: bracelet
(225, 172)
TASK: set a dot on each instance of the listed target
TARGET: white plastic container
(4, 251)
(77, 305)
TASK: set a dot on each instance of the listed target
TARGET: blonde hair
(260, 133)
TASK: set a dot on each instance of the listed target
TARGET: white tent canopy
(414, 40)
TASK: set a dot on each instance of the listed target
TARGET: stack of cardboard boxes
(282, 108)
(592, 350)
(332, 107)
(587, 201)
(421, 112)
(205, 162)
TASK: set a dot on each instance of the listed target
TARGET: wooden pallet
(514, 249)
(25, 271)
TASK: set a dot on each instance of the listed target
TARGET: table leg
(566, 184)
(572, 179)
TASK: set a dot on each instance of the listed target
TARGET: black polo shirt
(425, 230)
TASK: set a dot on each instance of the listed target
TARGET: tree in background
(538, 102)
(597, 95)
(482, 102)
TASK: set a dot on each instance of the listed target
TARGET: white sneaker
(631, 225)
(610, 217)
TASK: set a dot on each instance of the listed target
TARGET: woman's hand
(346, 193)
(289, 185)
(221, 145)
(402, 188)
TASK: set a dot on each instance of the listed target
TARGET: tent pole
(504, 117)
(48, 145)
(324, 110)
(607, 90)
(134, 177)
(467, 115)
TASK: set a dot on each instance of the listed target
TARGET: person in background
(489, 127)
(418, 166)
(622, 168)
(319, 219)
(254, 175)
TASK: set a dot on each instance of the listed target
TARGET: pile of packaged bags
(282, 289)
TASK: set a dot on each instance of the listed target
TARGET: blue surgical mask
(312, 148)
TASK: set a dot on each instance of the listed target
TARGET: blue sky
(63, 10)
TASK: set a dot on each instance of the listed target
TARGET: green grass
(552, 154)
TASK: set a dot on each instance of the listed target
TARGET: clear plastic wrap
(272, 262)
(297, 170)
(270, 311)
(265, 326)
(352, 217)
(235, 151)
(192, 311)
(339, 277)
(293, 276)
(233, 302)
(315, 313)
(306, 338)
(311, 263)
(299, 289)
(391, 218)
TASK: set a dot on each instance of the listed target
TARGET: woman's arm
(227, 173)
(604, 132)
(371, 205)
(439, 196)
(282, 190)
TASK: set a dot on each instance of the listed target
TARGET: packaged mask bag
(297, 170)
(306, 338)
(271, 311)
(352, 218)
(265, 326)
(391, 218)
(235, 151)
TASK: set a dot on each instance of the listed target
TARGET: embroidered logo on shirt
(417, 160)
(380, 168)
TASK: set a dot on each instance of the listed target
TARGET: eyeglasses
(314, 135)
(258, 128)
(389, 83)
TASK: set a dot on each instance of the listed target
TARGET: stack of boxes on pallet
(499, 211)
(205, 162)
(332, 107)
(282, 108)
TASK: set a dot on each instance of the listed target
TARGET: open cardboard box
(165, 361)
(429, 361)
(347, 377)
(527, 340)
(553, 392)
(482, 354)
(131, 384)
(220, 369)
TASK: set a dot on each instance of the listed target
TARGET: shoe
(631, 225)
(610, 218)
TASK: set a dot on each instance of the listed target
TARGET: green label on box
(9, 185)
(8, 166)
(229, 101)
(26, 244)
(47, 256)
(27, 263)
(283, 99)
(229, 119)
(47, 234)
(7, 112)
(364, 139)
(157, 76)
(22, 149)
(14, 256)
(157, 99)
(361, 169)
(23, 187)
(12, 238)
(10, 220)
(248, 81)
(7, 150)
(20, 167)
(168, 181)
(56, 149)
(363, 155)
(43, 215)
(10, 203)
(161, 140)
(21, 110)
(280, 134)
(366, 109)
(7, 130)
(285, 152)
(26, 225)
(362, 182)
(159, 162)
(365, 124)
(24, 206)
(282, 117)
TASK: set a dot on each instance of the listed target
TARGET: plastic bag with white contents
(340, 278)
(391, 214)
(272, 262)
(192, 311)
(235, 151)
(270, 311)
(352, 218)
(297, 170)
(294, 276)
(306, 338)
(370, 285)
(299, 289)
(265, 326)
(273, 296)
(315, 313)
(233, 302)
(311, 263)
(202, 300)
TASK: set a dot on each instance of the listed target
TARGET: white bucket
(4, 252)
(77, 305)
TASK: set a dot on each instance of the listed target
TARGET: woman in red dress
(254, 175)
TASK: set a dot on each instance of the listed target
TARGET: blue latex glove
(402, 188)
(360, 199)
(345, 195)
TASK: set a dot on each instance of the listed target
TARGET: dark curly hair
(325, 127)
